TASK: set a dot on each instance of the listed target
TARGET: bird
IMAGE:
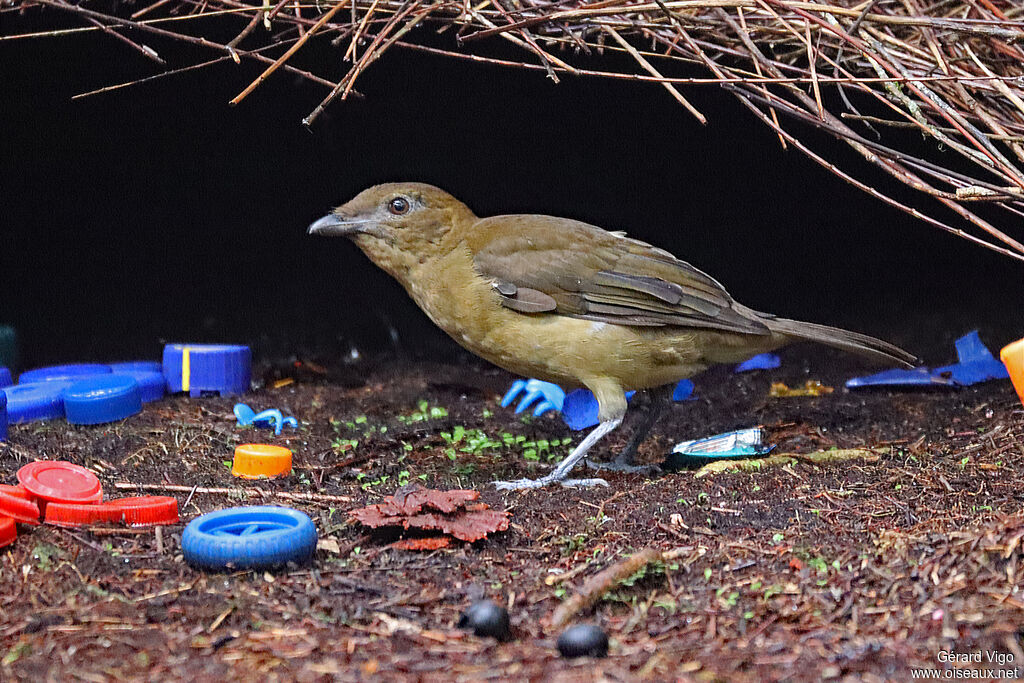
(566, 302)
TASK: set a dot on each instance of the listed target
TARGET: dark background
(159, 213)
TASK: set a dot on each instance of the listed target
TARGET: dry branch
(602, 582)
(870, 73)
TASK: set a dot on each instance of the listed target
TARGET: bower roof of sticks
(867, 72)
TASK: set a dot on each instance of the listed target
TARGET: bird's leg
(625, 461)
(611, 401)
(559, 473)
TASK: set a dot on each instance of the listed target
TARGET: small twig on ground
(602, 582)
(222, 491)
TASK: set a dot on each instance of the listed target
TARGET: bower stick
(596, 586)
(224, 491)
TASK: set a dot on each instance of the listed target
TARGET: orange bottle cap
(1012, 356)
(255, 460)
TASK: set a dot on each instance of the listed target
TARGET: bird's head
(398, 225)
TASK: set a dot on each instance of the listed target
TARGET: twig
(289, 52)
(223, 491)
(599, 584)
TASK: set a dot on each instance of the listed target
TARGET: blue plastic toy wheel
(255, 537)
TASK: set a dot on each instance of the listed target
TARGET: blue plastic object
(579, 407)
(35, 401)
(579, 410)
(244, 414)
(151, 384)
(63, 373)
(249, 538)
(102, 399)
(3, 416)
(898, 377)
(532, 390)
(742, 443)
(762, 361)
(683, 391)
(137, 366)
(976, 364)
(738, 444)
(5, 378)
(207, 368)
(271, 418)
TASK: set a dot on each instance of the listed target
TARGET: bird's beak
(333, 225)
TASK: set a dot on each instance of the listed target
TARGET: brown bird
(566, 302)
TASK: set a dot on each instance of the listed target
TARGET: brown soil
(858, 571)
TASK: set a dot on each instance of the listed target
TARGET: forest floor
(857, 570)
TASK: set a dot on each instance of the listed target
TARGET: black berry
(583, 640)
(486, 619)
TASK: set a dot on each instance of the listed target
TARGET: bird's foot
(520, 484)
(619, 466)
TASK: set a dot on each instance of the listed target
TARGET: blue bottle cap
(198, 368)
(35, 401)
(137, 366)
(74, 371)
(5, 378)
(3, 416)
(102, 399)
(151, 383)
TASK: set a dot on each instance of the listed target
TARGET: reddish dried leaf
(470, 523)
(373, 516)
(466, 526)
(432, 543)
(409, 501)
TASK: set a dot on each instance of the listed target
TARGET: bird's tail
(860, 344)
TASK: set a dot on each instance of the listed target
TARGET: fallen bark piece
(429, 543)
(818, 458)
(445, 511)
(600, 583)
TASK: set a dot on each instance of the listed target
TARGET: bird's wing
(543, 264)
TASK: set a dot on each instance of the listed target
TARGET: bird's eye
(398, 206)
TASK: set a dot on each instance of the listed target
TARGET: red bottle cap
(141, 511)
(60, 482)
(8, 532)
(16, 491)
(19, 509)
(147, 510)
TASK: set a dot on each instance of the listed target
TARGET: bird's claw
(520, 484)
